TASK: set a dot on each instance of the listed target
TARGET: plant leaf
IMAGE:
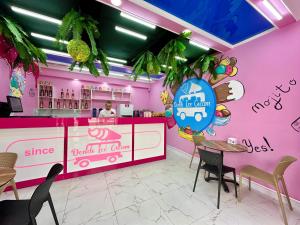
(104, 62)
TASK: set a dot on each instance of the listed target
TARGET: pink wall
(263, 64)
(65, 79)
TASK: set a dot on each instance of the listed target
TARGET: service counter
(83, 145)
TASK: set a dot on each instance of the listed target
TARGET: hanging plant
(72, 28)
(176, 70)
(17, 49)
(147, 63)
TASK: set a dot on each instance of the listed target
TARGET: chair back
(41, 193)
(198, 140)
(283, 165)
(8, 159)
(211, 158)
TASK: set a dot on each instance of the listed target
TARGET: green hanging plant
(146, 63)
(26, 53)
(84, 54)
(205, 64)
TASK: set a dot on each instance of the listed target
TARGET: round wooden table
(222, 146)
(6, 175)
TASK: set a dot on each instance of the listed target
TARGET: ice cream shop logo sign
(194, 104)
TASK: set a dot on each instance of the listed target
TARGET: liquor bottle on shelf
(75, 105)
(87, 95)
(50, 104)
(46, 91)
(67, 94)
(62, 95)
(50, 92)
(41, 104)
(58, 104)
(86, 106)
(41, 91)
(73, 94)
(64, 104)
(70, 105)
(84, 94)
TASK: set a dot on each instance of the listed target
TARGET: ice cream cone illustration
(226, 68)
(229, 91)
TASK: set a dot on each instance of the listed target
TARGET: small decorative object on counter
(58, 104)
(232, 141)
(41, 104)
(50, 92)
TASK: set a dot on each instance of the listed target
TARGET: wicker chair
(8, 161)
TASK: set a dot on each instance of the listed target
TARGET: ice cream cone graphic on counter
(226, 68)
(229, 91)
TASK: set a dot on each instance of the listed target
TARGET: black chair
(213, 163)
(24, 212)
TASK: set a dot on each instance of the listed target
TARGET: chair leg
(13, 184)
(219, 187)
(52, 209)
(199, 167)
(286, 193)
(235, 184)
(240, 186)
(281, 203)
(249, 183)
(193, 155)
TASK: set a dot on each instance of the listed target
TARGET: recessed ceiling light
(116, 60)
(48, 38)
(35, 15)
(116, 74)
(116, 2)
(165, 66)
(199, 45)
(272, 9)
(131, 33)
(145, 78)
(180, 58)
(52, 52)
(76, 79)
(135, 19)
(116, 64)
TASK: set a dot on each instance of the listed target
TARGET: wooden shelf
(113, 100)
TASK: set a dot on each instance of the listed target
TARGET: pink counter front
(83, 145)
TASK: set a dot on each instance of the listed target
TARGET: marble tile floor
(158, 193)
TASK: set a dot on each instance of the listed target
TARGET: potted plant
(72, 28)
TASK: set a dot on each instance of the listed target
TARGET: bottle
(64, 104)
(84, 95)
(76, 105)
(58, 104)
(67, 94)
(50, 104)
(70, 105)
(41, 91)
(50, 92)
(46, 91)
(62, 95)
(41, 104)
(86, 105)
(73, 95)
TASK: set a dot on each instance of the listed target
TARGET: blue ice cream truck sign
(194, 104)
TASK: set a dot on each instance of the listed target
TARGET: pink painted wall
(65, 80)
(264, 63)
